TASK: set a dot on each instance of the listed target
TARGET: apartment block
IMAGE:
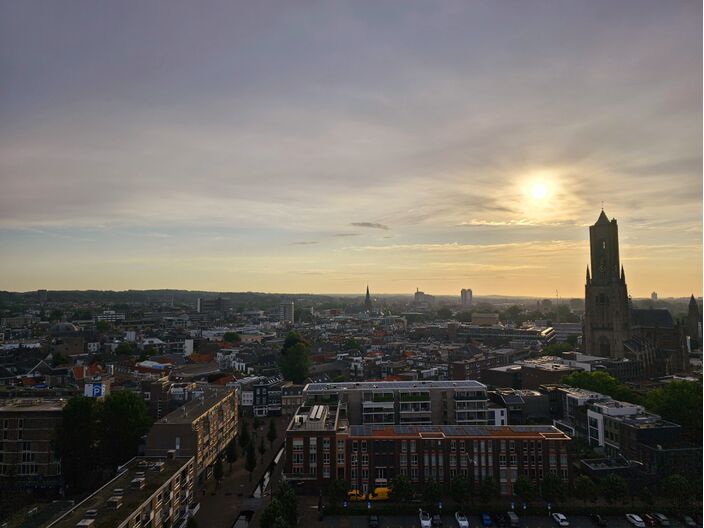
(461, 402)
(321, 446)
(26, 453)
(201, 428)
(147, 493)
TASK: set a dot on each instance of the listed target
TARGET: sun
(539, 190)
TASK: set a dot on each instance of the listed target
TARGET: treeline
(96, 436)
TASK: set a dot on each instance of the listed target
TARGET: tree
(295, 363)
(337, 491)
(444, 313)
(102, 326)
(256, 423)
(351, 344)
(59, 359)
(680, 402)
(250, 462)
(262, 449)
(556, 349)
(272, 513)
(603, 383)
(524, 488)
(271, 433)
(76, 443)
(459, 489)
(293, 339)
(231, 453)
(488, 489)
(287, 497)
(431, 493)
(124, 349)
(191, 523)
(217, 469)
(124, 419)
(232, 337)
(614, 488)
(585, 489)
(552, 488)
(244, 435)
(678, 490)
(645, 495)
(401, 489)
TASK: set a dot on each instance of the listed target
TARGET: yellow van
(355, 495)
(380, 494)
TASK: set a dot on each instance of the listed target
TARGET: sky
(320, 146)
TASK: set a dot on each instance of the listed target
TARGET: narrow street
(220, 504)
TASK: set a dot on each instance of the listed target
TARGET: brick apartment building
(26, 453)
(201, 428)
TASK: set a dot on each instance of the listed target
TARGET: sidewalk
(220, 505)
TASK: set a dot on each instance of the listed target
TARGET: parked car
(661, 519)
(462, 521)
(635, 520)
(649, 520)
(598, 519)
(424, 518)
(688, 521)
(355, 495)
(373, 521)
(499, 520)
(560, 519)
(437, 520)
(379, 494)
(486, 519)
(513, 520)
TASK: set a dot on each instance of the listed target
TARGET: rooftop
(528, 432)
(188, 412)
(132, 498)
(394, 385)
(32, 404)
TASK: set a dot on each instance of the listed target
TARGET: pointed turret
(623, 274)
(589, 279)
(603, 219)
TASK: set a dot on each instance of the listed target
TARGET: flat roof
(527, 432)
(32, 405)
(197, 406)
(394, 385)
(132, 498)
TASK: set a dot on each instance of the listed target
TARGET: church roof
(603, 219)
(651, 317)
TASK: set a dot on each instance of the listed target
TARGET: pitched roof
(652, 317)
(603, 219)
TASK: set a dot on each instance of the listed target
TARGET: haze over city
(273, 147)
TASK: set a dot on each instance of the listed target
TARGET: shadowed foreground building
(201, 428)
(26, 452)
(326, 441)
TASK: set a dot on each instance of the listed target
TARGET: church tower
(368, 302)
(606, 304)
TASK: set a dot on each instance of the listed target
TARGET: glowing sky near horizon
(324, 146)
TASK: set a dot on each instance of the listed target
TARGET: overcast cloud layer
(322, 146)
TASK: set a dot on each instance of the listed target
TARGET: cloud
(370, 225)
(305, 243)
(346, 234)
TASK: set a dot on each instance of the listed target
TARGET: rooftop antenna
(602, 205)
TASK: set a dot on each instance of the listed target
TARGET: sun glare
(539, 190)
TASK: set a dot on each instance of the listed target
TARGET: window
(340, 458)
(354, 446)
(341, 445)
(364, 446)
(326, 458)
(297, 444)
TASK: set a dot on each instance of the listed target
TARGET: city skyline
(267, 148)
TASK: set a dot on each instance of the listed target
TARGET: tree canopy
(680, 402)
(295, 362)
(603, 383)
(231, 337)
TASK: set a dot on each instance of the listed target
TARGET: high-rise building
(607, 307)
(694, 324)
(654, 297)
(286, 312)
(466, 297)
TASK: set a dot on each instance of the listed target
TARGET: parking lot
(448, 521)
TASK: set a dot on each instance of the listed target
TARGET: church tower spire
(368, 301)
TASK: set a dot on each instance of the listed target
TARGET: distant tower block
(466, 297)
(286, 312)
(654, 297)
